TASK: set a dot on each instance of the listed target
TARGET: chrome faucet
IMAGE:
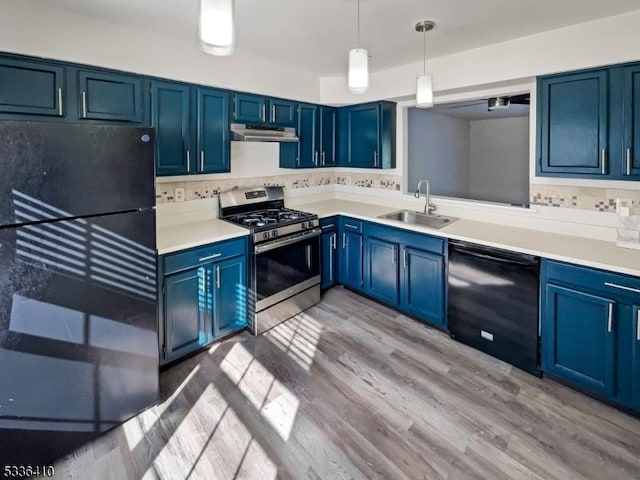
(428, 206)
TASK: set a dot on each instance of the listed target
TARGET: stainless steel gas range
(285, 264)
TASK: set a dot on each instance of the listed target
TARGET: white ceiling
(478, 110)
(315, 35)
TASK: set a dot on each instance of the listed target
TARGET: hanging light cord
(358, 15)
(424, 50)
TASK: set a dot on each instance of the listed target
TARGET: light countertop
(567, 248)
(180, 237)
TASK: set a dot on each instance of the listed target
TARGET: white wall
(438, 150)
(499, 160)
(601, 42)
(30, 29)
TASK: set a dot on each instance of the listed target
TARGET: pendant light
(358, 65)
(217, 30)
(424, 84)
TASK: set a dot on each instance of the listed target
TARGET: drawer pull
(209, 257)
(610, 318)
(351, 226)
(622, 287)
(331, 225)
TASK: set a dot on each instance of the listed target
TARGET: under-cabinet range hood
(254, 133)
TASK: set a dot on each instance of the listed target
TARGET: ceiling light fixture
(217, 30)
(499, 103)
(358, 64)
(424, 84)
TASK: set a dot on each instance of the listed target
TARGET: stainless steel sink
(416, 218)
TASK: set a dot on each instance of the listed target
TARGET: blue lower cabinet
(351, 257)
(635, 362)
(230, 296)
(185, 312)
(328, 254)
(579, 338)
(381, 270)
(423, 285)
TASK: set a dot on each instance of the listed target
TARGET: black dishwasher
(493, 302)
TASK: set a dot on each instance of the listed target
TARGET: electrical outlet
(179, 194)
(623, 206)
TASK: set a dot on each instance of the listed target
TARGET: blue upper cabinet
(212, 107)
(578, 331)
(249, 108)
(170, 116)
(367, 135)
(573, 120)
(31, 88)
(631, 122)
(328, 144)
(110, 96)
(282, 113)
(308, 146)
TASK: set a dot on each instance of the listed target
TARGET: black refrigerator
(78, 296)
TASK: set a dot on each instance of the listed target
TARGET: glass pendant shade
(358, 70)
(424, 91)
(217, 30)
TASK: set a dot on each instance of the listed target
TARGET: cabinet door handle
(335, 241)
(209, 257)
(84, 104)
(273, 113)
(217, 276)
(201, 160)
(610, 318)
(622, 287)
(603, 159)
(60, 102)
(375, 158)
(188, 162)
(332, 247)
(404, 260)
(344, 240)
(638, 325)
(315, 158)
(264, 112)
(323, 158)
(628, 169)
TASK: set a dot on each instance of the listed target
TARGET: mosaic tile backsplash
(195, 190)
(581, 198)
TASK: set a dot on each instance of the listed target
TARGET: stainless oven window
(282, 268)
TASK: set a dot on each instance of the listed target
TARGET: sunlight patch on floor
(298, 338)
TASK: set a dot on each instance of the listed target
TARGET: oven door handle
(265, 247)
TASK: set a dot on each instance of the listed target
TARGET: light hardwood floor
(353, 390)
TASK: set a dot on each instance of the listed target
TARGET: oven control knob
(265, 235)
(304, 225)
(274, 233)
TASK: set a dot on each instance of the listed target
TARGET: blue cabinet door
(578, 338)
(250, 109)
(328, 123)
(110, 96)
(213, 131)
(230, 295)
(170, 112)
(631, 112)
(328, 266)
(635, 367)
(351, 257)
(282, 113)
(308, 147)
(31, 88)
(381, 270)
(185, 311)
(573, 125)
(360, 132)
(423, 285)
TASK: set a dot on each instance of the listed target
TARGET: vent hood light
(217, 30)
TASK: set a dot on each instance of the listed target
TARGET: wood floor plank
(350, 389)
